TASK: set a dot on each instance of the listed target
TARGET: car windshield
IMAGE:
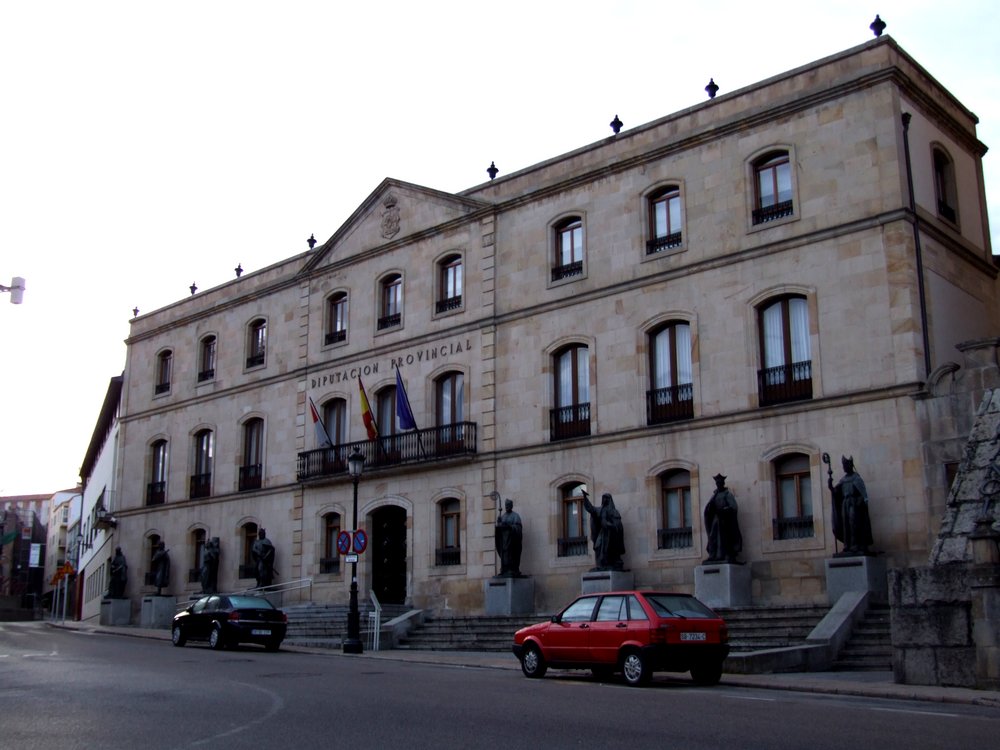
(250, 602)
(678, 605)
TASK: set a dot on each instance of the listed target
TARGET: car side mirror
(556, 618)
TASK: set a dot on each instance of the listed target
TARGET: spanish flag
(366, 413)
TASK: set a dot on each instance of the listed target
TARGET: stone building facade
(736, 288)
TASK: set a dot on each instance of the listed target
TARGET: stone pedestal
(116, 612)
(157, 611)
(860, 573)
(722, 585)
(509, 596)
(597, 581)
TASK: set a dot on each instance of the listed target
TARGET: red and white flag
(322, 436)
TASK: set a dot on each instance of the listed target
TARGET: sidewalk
(865, 684)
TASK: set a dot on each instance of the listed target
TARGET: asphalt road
(67, 689)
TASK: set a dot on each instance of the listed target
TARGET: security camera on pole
(16, 290)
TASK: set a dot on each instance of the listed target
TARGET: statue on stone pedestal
(725, 542)
(119, 575)
(161, 568)
(210, 567)
(606, 532)
(852, 525)
(508, 536)
(263, 557)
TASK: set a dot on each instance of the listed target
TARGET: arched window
(773, 187)
(449, 284)
(201, 478)
(152, 541)
(198, 555)
(945, 188)
(450, 412)
(156, 489)
(675, 510)
(252, 470)
(449, 551)
(249, 536)
(336, 318)
(330, 562)
(568, 240)
(573, 517)
(786, 374)
(206, 359)
(390, 302)
(257, 343)
(671, 395)
(335, 420)
(665, 220)
(164, 363)
(793, 502)
(571, 416)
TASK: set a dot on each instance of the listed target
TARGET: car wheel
(707, 673)
(635, 668)
(177, 636)
(272, 645)
(533, 663)
(602, 673)
(215, 638)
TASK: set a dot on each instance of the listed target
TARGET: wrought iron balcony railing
(451, 303)
(784, 383)
(667, 242)
(568, 270)
(679, 538)
(670, 404)
(569, 422)
(329, 565)
(201, 485)
(772, 212)
(448, 556)
(335, 337)
(389, 321)
(799, 527)
(156, 493)
(571, 546)
(251, 477)
(416, 446)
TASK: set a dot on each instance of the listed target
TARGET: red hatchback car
(632, 632)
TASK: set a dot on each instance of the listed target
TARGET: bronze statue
(119, 575)
(263, 557)
(852, 525)
(508, 536)
(606, 532)
(210, 567)
(161, 568)
(725, 542)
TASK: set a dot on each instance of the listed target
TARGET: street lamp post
(353, 644)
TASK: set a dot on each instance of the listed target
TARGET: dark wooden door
(389, 554)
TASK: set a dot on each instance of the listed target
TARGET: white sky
(145, 146)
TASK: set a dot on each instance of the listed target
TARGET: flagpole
(404, 412)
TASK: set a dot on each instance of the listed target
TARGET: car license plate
(260, 632)
(692, 636)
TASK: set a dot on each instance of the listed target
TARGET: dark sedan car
(632, 632)
(226, 620)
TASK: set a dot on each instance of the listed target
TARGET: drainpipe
(916, 246)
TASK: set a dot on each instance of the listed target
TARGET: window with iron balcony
(793, 504)
(785, 351)
(568, 261)
(391, 302)
(665, 222)
(773, 188)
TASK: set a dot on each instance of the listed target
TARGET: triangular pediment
(394, 212)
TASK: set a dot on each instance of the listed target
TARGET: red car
(632, 632)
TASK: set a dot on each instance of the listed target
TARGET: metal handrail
(374, 623)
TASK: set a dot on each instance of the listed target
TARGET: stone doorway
(388, 551)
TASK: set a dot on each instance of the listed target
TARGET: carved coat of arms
(390, 217)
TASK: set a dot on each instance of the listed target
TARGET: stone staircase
(470, 633)
(759, 628)
(325, 625)
(870, 646)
